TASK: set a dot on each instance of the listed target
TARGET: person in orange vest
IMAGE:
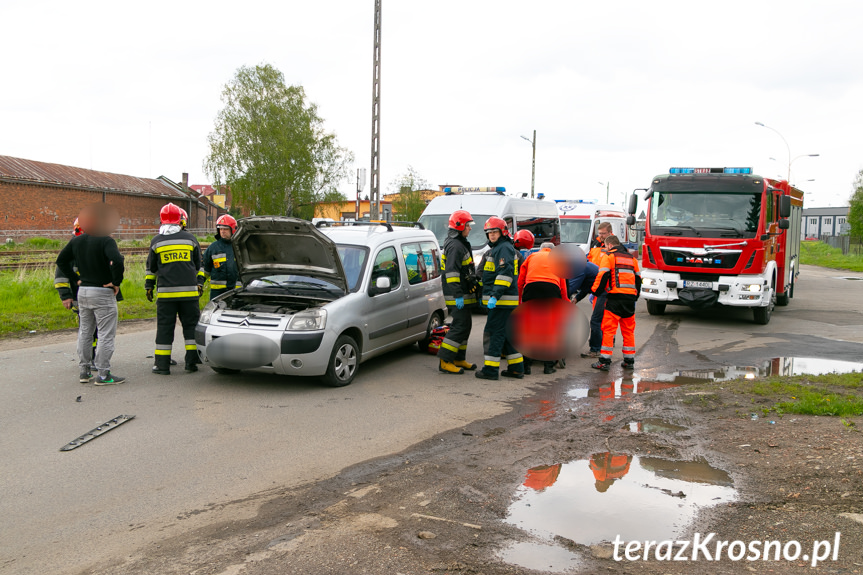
(594, 256)
(537, 280)
(619, 278)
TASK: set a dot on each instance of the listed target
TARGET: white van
(538, 216)
(579, 218)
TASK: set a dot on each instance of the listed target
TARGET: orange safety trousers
(610, 321)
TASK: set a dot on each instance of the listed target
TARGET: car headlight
(308, 320)
(649, 281)
(751, 287)
(207, 313)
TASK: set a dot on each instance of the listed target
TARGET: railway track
(14, 260)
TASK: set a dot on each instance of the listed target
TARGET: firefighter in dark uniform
(459, 288)
(620, 278)
(219, 261)
(500, 296)
(174, 271)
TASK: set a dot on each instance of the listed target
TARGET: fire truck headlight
(751, 287)
(649, 281)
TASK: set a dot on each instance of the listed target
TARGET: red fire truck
(719, 236)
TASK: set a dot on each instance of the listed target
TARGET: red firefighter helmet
(227, 221)
(76, 228)
(460, 219)
(496, 223)
(524, 240)
(170, 214)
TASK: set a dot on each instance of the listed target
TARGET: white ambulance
(579, 218)
(538, 216)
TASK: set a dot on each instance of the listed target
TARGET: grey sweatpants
(97, 307)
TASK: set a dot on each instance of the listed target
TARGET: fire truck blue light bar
(710, 171)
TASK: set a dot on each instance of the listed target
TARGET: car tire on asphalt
(343, 364)
(435, 321)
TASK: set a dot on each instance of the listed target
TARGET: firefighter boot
(192, 360)
(628, 363)
(162, 365)
(483, 374)
(602, 364)
(465, 364)
(449, 367)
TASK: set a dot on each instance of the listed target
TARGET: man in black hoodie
(100, 273)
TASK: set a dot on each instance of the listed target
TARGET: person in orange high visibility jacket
(594, 256)
(619, 278)
(608, 467)
(537, 280)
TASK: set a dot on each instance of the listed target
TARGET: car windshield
(705, 214)
(439, 225)
(354, 261)
(296, 285)
(574, 231)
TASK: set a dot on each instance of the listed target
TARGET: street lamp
(607, 185)
(788, 149)
(533, 161)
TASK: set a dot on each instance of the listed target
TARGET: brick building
(41, 199)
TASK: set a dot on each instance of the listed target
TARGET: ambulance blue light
(710, 171)
(738, 170)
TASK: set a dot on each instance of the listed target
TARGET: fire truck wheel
(655, 307)
(762, 314)
(783, 298)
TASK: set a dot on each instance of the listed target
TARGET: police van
(538, 216)
(579, 218)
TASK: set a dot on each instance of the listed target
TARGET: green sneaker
(111, 379)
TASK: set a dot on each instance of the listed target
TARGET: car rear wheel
(344, 362)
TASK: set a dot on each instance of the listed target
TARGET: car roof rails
(387, 225)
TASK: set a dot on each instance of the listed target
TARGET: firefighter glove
(459, 302)
(200, 290)
(492, 302)
(150, 294)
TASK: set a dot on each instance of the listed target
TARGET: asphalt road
(199, 441)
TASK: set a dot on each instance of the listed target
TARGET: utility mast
(375, 190)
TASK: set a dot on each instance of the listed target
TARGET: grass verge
(835, 394)
(821, 254)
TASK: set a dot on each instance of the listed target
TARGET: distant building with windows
(819, 222)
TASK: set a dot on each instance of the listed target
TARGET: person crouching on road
(459, 288)
(219, 261)
(538, 280)
(620, 278)
(500, 296)
(174, 271)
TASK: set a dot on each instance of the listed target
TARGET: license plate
(697, 284)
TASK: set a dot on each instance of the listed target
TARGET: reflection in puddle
(652, 425)
(776, 366)
(540, 557)
(638, 498)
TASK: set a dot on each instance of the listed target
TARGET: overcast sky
(616, 91)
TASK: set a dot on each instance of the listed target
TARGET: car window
(387, 265)
(415, 265)
(431, 255)
(354, 261)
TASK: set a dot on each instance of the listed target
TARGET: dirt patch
(445, 506)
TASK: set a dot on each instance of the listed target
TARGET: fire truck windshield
(705, 214)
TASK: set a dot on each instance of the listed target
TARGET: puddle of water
(652, 425)
(849, 278)
(611, 494)
(776, 366)
(540, 557)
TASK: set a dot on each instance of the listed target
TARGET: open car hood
(273, 245)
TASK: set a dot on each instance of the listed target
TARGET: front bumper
(737, 291)
(284, 352)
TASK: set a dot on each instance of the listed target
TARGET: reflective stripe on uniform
(491, 361)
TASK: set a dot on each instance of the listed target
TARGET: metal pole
(533, 165)
(375, 204)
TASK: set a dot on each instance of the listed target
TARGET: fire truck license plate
(697, 284)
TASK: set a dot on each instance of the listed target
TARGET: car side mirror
(633, 203)
(382, 285)
(630, 221)
(784, 207)
(784, 224)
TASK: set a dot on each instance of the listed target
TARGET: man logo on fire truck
(720, 236)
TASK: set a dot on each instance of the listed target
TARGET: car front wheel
(344, 362)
